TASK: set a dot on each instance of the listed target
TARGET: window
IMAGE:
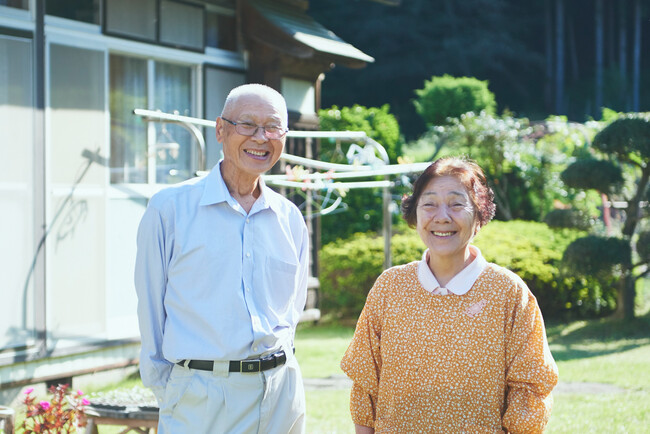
(221, 30)
(168, 22)
(181, 25)
(128, 90)
(79, 10)
(20, 4)
(218, 82)
(142, 83)
(174, 144)
(134, 19)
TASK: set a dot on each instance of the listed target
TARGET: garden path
(336, 382)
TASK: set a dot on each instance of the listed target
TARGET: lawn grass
(606, 351)
(319, 349)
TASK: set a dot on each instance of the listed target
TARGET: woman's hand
(360, 429)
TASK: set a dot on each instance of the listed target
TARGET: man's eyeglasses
(272, 132)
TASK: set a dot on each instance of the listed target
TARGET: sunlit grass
(601, 413)
(319, 349)
(328, 412)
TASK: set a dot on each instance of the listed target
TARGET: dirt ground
(343, 382)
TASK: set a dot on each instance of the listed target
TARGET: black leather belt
(250, 365)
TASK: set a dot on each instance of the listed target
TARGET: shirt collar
(461, 283)
(216, 191)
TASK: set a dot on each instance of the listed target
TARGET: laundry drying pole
(369, 160)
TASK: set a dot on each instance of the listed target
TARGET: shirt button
(248, 289)
(248, 220)
(255, 349)
(248, 255)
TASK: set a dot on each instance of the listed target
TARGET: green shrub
(449, 97)
(349, 268)
(532, 250)
(377, 122)
(535, 252)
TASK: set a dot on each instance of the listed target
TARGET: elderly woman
(450, 343)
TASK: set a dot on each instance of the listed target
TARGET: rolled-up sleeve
(531, 371)
(154, 241)
(362, 362)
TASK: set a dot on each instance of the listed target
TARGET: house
(79, 166)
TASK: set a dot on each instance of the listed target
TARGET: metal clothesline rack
(371, 160)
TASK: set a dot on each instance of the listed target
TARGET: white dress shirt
(213, 282)
(460, 283)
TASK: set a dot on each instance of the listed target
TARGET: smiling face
(251, 156)
(446, 220)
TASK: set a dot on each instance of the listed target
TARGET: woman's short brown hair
(468, 173)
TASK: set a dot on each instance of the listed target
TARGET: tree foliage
(512, 44)
(626, 141)
(422, 38)
(611, 252)
(450, 97)
(568, 218)
(377, 122)
(601, 175)
(628, 138)
(522, 161)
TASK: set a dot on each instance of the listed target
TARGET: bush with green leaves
(532, 250)
(377, 122)
(349, 267)
(447, 97)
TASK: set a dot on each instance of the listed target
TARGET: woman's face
(446, 218)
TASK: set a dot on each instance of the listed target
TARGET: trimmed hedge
(532, 250)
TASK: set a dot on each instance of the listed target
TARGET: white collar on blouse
(460, 283)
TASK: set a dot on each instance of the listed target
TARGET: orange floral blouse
(477, 362)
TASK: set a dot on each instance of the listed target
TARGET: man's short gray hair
(254, 89)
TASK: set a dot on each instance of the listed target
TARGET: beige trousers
(269, 402)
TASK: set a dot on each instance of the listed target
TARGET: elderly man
(221, 277)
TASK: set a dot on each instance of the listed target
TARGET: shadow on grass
(566, 354)
(593, 338)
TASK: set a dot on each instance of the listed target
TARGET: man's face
(254, 154)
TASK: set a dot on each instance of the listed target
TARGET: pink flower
(79, 392)
(84, 401)
(45, 405)
(29, 390)
(290, 175)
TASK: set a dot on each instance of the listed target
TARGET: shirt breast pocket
(281, 279)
